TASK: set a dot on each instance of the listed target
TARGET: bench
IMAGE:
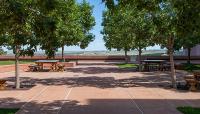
(166, 67)
(33, 68)
(192, 82)
(60, 67)
(2, 84)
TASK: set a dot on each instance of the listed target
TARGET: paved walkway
(96, 89)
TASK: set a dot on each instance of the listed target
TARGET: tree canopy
(49, 24)
(126, 28)
(172, 21)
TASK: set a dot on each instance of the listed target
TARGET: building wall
(194, 52)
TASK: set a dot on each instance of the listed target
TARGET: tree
(173, 23)
(186, 43)
(163, 19)
(115, 31)
(57, 26)
(69, 26)
(2, 52)
(45, 25)
(188, 25)
(126, 28)
(164, 31)
(171, 20)
(15, 30)
(87, 21)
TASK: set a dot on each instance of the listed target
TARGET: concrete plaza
(96, 89)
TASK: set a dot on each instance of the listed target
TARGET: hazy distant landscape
(101, 53)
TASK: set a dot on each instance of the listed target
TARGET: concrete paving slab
(49, 102)
(99, 101)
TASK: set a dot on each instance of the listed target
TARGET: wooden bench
(60, 68)
(33, 68)
(192, 82)
(197, 77)
(166, 67)
(2, 84)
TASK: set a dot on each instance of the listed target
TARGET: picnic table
(149, 63)
(53, 64)
(193, 81)
(2, 84)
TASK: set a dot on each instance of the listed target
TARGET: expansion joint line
(66, 98)
(133, 101)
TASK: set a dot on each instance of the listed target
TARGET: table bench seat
(61, 67)
(192, 82)
(34, 68)
(2, 84)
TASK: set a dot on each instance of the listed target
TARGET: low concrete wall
(69, 64)
(167, 57)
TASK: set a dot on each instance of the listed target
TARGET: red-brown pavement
(96, 89)
(47, 102)
(90, 100)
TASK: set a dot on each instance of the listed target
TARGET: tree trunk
(139, 59)
(17, 78)
(171, 55)
(189, 55)
(63, 59)
(126, 57)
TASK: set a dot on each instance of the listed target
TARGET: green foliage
(15, 26)
(191, 67)
(169, 21)
(65, 23)
(69, 26)
(154, 54)
(2, 52)
(8, 111)
(188, 29)
(189, 110)
(126, 28)
(87, 22)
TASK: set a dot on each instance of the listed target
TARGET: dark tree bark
(126, 56)
(139, 59)
(189, 56)
(17, 78)
(63, 49)
(171, 55)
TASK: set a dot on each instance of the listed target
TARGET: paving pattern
(96, 89)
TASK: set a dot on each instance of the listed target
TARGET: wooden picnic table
(148, 63)
(52, 62)
(193, 81)
(196, 74)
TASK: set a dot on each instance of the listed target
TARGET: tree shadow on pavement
(100, 106)
(100, 70)
(148, 81)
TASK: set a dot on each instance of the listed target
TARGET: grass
(8, 111)
(189, 110)
(191, 67)
(127, 65)
(153, 54)
(13, 62)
